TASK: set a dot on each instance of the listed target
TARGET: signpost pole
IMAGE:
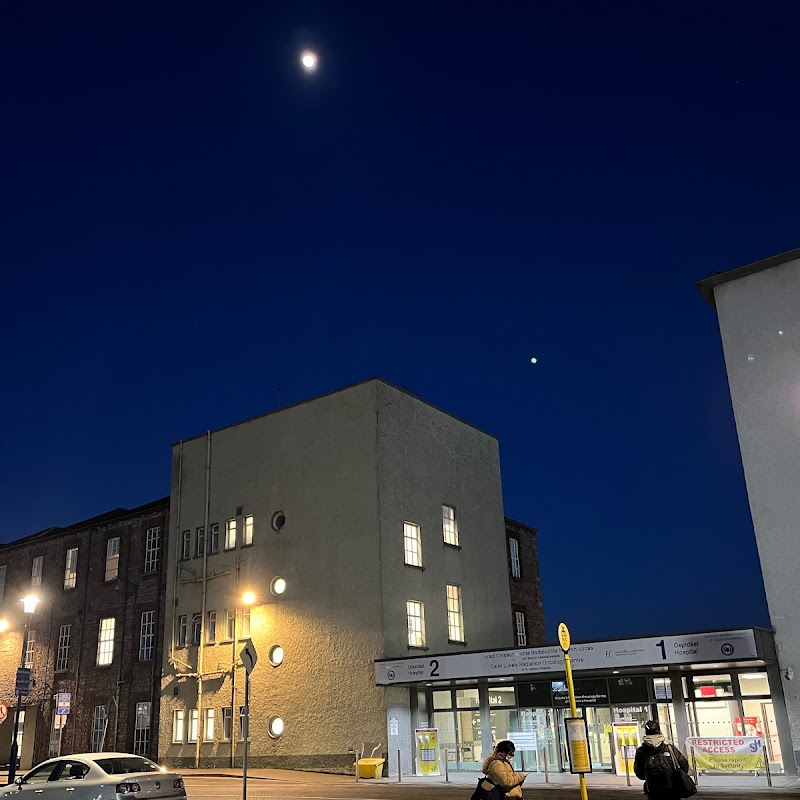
(12, 761)
(249, 658)
(564, 638)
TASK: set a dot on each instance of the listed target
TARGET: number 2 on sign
(434, 668)
(663, 649)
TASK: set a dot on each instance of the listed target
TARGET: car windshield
(121, 765)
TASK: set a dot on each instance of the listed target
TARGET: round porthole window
(276, 655)
(275, 727)
(278, 585)
(278, 520)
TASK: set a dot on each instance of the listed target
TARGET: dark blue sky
(188, 222)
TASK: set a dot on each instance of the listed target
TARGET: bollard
(546, 773)
(399, 770)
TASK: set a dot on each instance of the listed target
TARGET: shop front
(522, 695)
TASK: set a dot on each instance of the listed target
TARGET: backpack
(658, 771)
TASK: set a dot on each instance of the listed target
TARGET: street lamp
(28, 606)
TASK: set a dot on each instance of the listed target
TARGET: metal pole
(613, 752)
(357, 760)
(694, 766)
(246, 733)
(446, 771)
(399, 771)
(12, 759)
(546, 773)
(574, 711)
(627, 764)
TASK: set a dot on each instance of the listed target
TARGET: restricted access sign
(3, 712)
(729, 753)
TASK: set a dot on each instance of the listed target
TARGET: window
(200, 542)
(141, 733)
(151, 548)
(230, 534)
(147, 636)
(112, 559)
(99, 720)
(177, 726)
(36, 571)
(412, 544)
(455, 617)
(213, 545)
(519, 629)
(513, 551)
(227, 728)
(105, 642)
(71, 568)
(230, 623)
(415, 612)
(211, 627)
(62, 655)
(182, 630)
(192, 726)
(208, 725)
(248, 529)
(241, 723)
(186, 545)
(245, 634)
(449, 525)
(29, 647)
(3, 581)
(196, 629)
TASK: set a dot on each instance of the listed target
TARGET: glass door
(540, 721)
(598, 721)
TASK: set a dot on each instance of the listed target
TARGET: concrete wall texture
(759, 319)
(346, 471)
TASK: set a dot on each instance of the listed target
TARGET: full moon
(309, 61)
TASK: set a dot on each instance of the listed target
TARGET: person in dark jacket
(654, 764)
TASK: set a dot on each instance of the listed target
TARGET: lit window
(200, 542)
(227, 727)
(248, 529)
(211, 627)
(36, 571)
(275, 727)
(186, 545)
(415, 612)
(192, 725)
(196, 629)
(30, 644)
(147, 636)
(71, 568)
(230, 534)
(519, 629)
(182, 628)
(99, 722)
(412, 544)
(242, 722)
(151, 549)
(112, 559)
(105, 642)
(213, 545)
(62, 656)
(177, 726)
(3, 581)
(513, 551)
(449, 525)
(455, 617)
(230, 623)
(208, 725)
(245, 634)
(141, 733)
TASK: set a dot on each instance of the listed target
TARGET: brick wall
(526, 590)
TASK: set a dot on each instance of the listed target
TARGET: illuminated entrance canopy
(697, 648)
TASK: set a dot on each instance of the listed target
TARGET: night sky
(194, 231)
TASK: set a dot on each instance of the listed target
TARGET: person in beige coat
(498, 769)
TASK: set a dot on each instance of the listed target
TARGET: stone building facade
(525, 584)
(96, 633)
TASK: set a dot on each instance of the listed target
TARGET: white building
(758, 307)
(384, 517)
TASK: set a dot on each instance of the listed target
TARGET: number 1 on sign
(663, 649)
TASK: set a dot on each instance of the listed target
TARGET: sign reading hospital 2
(697, 648)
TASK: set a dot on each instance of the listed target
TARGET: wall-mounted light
(276, 655)
(278, 585)
(248, 598)
(275, 727)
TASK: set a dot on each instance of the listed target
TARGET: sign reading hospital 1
(695, 649)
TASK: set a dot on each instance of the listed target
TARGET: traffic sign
(24, 682)
(563, 637)
(249, 656)
(3, 712)
(63, 702)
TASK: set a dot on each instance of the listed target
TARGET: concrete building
(94, 638)
(382, 517)
(758, 308)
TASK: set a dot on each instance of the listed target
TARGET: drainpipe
(204, 584)
(177, 557)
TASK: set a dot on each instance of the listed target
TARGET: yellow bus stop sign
(563, 637)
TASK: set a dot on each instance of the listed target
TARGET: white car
(97, 776)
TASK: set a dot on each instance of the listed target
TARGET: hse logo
(390, 674)
(727, 649)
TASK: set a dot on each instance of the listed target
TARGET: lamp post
(248, 598)
(29, 606)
